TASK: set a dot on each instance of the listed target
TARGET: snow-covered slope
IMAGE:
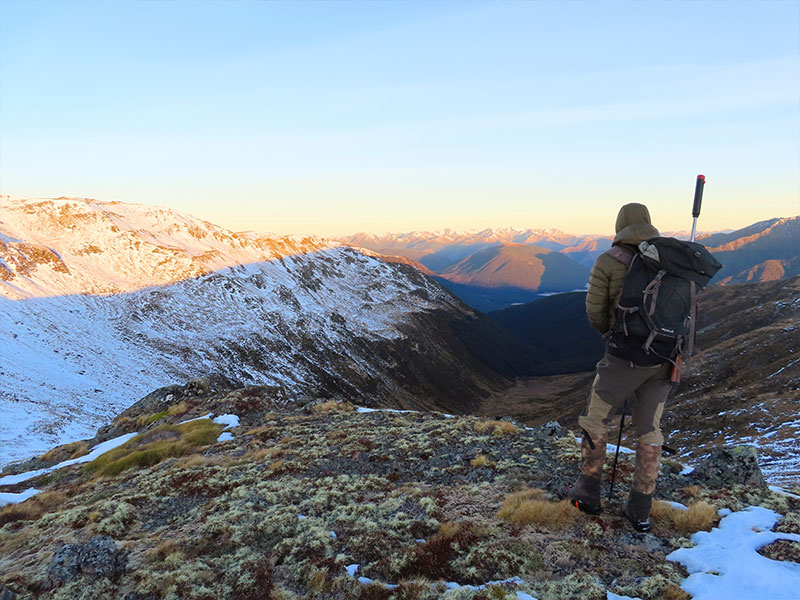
(104, 302)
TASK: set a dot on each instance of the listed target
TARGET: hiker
(621, 384)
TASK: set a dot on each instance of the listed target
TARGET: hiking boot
(637, 510)
(645, 474)
(585, 492)
(585, 495)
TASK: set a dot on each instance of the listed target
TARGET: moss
(84, 589)
(568, 447)
(118, 516)
(576, 586)
(145, 420)
(152, 447)
(654, 587)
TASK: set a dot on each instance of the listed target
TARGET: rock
(646, 541)
(554, 429)
(6, 594)
(99, 557)
(162, 398)
(728, 466)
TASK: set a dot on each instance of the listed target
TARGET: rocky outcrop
(729, 466)
(98, 558)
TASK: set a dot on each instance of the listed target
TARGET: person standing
(619, 383)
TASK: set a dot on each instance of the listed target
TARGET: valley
(104, 302)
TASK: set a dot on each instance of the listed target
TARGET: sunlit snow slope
(104, 302)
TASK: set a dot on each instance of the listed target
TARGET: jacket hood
(630, 214)
(635, 233)
(633, 225)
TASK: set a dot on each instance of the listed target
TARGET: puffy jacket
(605, 280)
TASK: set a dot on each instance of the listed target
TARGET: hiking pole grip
(698, 195)
(698, 200)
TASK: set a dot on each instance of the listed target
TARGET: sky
(336, 117)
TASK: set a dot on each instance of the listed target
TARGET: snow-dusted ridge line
(146, 297)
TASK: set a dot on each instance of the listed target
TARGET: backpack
(656, 310)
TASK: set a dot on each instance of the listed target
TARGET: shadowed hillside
(557, 327)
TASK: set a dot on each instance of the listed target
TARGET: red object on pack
(675, 377)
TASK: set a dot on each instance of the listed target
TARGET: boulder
(99, 557)
(728, 466)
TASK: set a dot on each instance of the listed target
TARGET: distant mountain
(519, 266)
(101, 302)
(441, 250)
(587, 251)
(764, 251)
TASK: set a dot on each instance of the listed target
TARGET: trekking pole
(698, 199)
(616, 454)
(675, 375)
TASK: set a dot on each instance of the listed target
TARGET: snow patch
(98, 450)
(724, 563)
(12, 498)
(780, 490)
(229, 421)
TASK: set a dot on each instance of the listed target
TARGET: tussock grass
(529, 507)
(181, 408)
(498, 428)
(163, 550)
(482, 461)
(673, 592)
(66, 452)
(700, 516)
(332, 406)
(198, 460)
(152, 447)
(692, 491)
(32, 508)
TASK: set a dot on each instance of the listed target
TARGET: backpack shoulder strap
(620, 253)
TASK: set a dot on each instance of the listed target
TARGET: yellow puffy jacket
(605, 280)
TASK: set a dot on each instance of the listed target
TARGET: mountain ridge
(163, 298)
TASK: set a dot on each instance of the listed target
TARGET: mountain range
(314, 452)
(493, 269)
(102, 302)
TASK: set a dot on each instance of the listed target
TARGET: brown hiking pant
(646, 389)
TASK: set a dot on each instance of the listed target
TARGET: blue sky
(337, 117)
